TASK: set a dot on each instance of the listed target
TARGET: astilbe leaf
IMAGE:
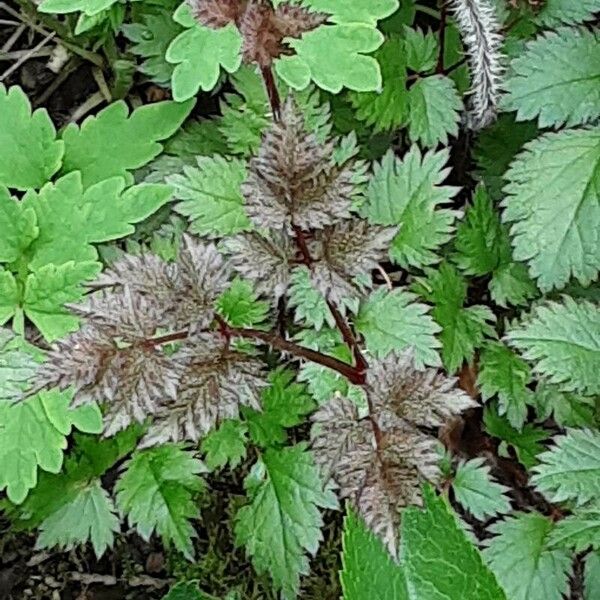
(379, 461)
(294, 180)
(217, 13)
(344, 252)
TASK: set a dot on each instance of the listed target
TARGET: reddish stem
(442, 38)
(272, 91)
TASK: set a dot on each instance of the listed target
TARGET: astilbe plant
(153, 348)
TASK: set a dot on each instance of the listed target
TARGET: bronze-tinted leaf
(217, 13)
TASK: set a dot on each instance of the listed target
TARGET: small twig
(91, 578)
(58, 81)
(10, 42)
(386, 277)
(92, 102)
(27, 56)
(101, 83)
(19, 54)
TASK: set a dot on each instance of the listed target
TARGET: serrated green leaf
(570, 470)
(505, 375)
(17, 366)
(186, 591)
(577, 532)
(477, 492)
(567, 409)
(522, 561)
(408, 193)
(199, 53)
(29, 151)
(463, 328)
(421, 49)
(33, 434)
(392, 321)
(113, 142)
(556, 79)
(434, 106)
(9, 295)
(18, 225)
(282, 522)
(225, 445)
(334, 57)
(554, 12)
(555, 218)
(211, 197)
(89, 516)
(285, 403)
(591, 580)
(368, 569)
(563, 340)
(526, 442)
(310, 306)
(434, 544)
(156, 493)
(240, 306)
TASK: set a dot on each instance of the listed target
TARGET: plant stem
(272, 91)
(442, 37)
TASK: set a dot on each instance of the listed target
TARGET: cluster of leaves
(329, 275)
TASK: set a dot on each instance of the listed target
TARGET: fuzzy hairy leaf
(293, 181)
(567, 409)
(113, 142)
(568, 12)
(505, 374)
(225, 445)
(30, 153)
(156, 492)
(563, 340)
(527, 571)
(568, 471)
(89, 516)
(408, 193)
(463, 328)
(210, 195)
(556, 79)
(477, 492)
(282, 522)
(33, 434)
(392, 322)
(578, 532)
(555, 219)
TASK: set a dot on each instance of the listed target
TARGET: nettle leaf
(434, 110)
(240, 306)
(285, 403)
(555, 219)
(29, 151)
(520, 557)
(569, 470)
(563, 340)
(567, 409)
(225, 445)
(554, 12)
(408, 193)
(17, 366)
(463, 328)
(579, 531)
(89, 7)
(156, 492)
(431, 540)
(477, 492)
(368, 569)
(211, 197)
(392, 321)
(505, 375)
(199, 53)
(89, 516)
(114, 141)
(282, 522)
(556, 79)
(33, 433)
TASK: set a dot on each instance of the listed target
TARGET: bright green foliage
(114, 142)
(522, 560)
(285, 404)
(525, 443)
(360, 11)
(156, 493)
(90, 515)
(592, 576)
(211, 197)
(556, 79)
(567, 409)
(368, 569)
(408, 193)
(555, 218)
(33, 433)
(483, 248)
(505, 375)
(310, 306)
(421, 49)
(282, 522)
(90, 7)
(434, 105)
(17, 366)
(185, 591)
(439, 560)
(392, 321)
(563, 340)
(18, 226)
(225, 445)
(579, 531)
(567, 11)
(240, 306)
(29, 151)
(570, 470)
(463, 328)
(477, 492)
(198, 54)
